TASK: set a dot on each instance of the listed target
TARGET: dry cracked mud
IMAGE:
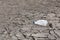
(17, 16)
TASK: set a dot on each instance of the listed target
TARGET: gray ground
(17, 16)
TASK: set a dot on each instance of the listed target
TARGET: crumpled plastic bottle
(41, 22)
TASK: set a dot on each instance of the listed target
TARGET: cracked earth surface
(17, 16)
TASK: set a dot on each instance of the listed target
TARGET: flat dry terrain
(17, 16)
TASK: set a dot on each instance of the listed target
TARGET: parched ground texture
(17, 16)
